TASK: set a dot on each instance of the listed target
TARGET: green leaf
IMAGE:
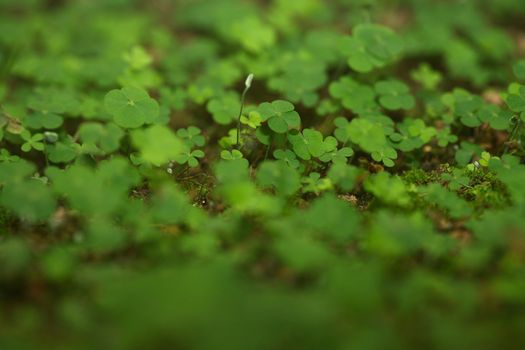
(280, 115)
(369, 135)
(131, 107)
(157, 144)
(519, 70)
(394, 95)
(371, 46)
(278, 175)
(224, 109)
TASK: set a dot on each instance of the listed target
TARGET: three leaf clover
(386, 155)
(224, 109)
(287, 156)
(394, 95)
(371, 46)
(516, 100)
(278, 175)
(190, 157)
(281, 115)
(354, 96)
(231, 155)
(157, 144)
(307, 143)
(337, 155)
(444, 137)
(131, 107)
(191, 136)
(369, 135)
(426, 76)
(253, 120)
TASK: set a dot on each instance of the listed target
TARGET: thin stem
(45, 154)
(511, 136)
(247, 85)
(237, 145)
(267, 151)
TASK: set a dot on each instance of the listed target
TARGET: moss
(421, 177)
(485, 191)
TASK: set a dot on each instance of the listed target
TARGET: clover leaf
(387, 188)
(343, 175)
(32, 141)
(516, 100)
(337, 155)
(278, 175)
(224, 109)
(131, 107)
(64, 151)
(386, 155)
(426, 76)
(190, 157)
(371, 46)
(191, 136)
(369, 135)
(465, 106)
(287, 156)
(314, 183)
(231, 155)
(137, 58)
(456, 180)
(466, 151)
(307, 143)
(354, 96)
(254, 35)
(48, 106)
(300, 78)
(519, 70)
(29, 199)
(495, 116)
(157, 144)
(234, 156)
(253, 120)
(280, 115)
(413, 133)
(394, 95)
(99, 138)
(444, 137)
(6, 157)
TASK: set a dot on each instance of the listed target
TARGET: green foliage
(280, 115)
(131, 107)
(367, 192)
(157, 144)
(371, 46)
(394, 95)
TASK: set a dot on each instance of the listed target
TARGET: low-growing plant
(248, 174)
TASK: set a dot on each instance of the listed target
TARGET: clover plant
(249, 174)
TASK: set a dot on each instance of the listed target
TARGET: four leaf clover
(32, 141)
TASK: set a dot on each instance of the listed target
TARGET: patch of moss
(485, 191)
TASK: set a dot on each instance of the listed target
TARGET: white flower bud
(248, 82)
